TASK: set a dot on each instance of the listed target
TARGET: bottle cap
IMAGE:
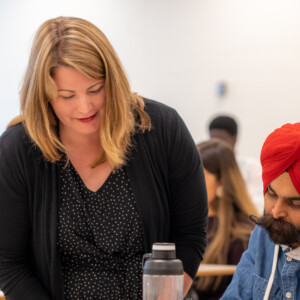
(162, 261)
(163, 251)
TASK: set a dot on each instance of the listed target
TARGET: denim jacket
(254, 269)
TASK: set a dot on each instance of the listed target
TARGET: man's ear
(234, 139)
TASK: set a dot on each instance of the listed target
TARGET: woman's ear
(219, 191)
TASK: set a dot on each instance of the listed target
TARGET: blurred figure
(229, 208)
(226, 128)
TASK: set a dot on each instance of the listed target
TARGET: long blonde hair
(74, 42)
(218, 158)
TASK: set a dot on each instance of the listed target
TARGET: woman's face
(79, 104)
(211, 185)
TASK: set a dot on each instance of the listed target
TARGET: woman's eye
(67, 97)
(96, 91)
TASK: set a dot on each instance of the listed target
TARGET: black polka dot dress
(100, 238)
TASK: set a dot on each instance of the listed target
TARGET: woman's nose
(84, 104)
(279, 209)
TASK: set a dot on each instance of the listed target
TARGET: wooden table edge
(229, 270)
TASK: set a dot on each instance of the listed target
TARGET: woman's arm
(17, 279)
(187, 282)
(188, 195)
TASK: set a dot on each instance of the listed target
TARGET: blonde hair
(74, 42)
(218, 158)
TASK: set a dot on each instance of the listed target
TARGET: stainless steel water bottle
(162, 273)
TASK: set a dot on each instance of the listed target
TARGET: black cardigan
(166, 175)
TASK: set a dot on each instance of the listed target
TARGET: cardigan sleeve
(17, 279)
(188, 194)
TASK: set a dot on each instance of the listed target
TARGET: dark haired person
(225, 127)
(270, 268)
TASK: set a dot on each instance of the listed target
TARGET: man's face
(222, 134)
(282, 211)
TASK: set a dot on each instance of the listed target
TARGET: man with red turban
(270, 268)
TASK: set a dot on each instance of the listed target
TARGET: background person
(229, 208)
(91, 175)
(270, 268)
(226, 128)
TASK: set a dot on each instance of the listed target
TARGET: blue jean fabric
(254, 269)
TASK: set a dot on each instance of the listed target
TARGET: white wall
(176, 51)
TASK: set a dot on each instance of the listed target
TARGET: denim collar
(293, 253)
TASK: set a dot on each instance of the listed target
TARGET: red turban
(281, 152)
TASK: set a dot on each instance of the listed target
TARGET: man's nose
(279, 209)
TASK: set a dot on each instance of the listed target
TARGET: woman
(229, 208)
(91, 175)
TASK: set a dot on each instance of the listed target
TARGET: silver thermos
(162, 273)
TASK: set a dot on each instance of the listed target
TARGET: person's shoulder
(261, 238)
(158, 109)
(259, 231)
(248, 161)
(163, 117)
(14, 135)
(15, 140)
(156, 106)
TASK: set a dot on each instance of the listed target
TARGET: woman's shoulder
(153, 106)
(14, 135)
(15, 141)
(160, 112)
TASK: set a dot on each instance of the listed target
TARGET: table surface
(204, 270)
(215, 269)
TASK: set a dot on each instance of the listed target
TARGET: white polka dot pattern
(99, 238)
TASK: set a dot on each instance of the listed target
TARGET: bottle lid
(162, 261)
(163, 251)
(164, 246)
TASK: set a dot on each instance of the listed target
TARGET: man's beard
(280, 232)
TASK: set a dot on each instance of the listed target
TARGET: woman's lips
(87, 120)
